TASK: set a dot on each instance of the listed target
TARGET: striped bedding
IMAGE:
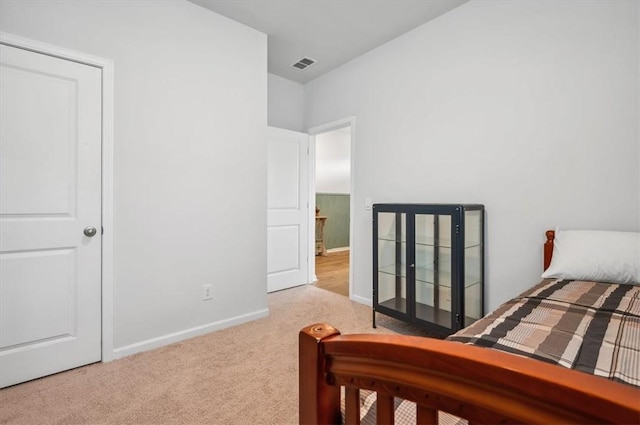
(587, 326)
(592, 327)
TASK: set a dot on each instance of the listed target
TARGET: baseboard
(344, 248)
(161, 341)
(361, 300)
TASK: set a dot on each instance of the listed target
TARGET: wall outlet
(207, 292)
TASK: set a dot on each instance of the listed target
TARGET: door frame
(106, 66)
(313, 131)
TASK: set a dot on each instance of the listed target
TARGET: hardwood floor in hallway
(332, 272)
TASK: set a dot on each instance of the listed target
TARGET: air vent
(304, 63)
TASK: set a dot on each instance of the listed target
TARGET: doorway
(332, 193)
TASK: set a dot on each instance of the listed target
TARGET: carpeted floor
(246, 374)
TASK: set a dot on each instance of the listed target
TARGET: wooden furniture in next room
(321, 249)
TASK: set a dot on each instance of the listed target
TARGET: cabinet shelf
(444, 243)
(423, 311)
(427, 275)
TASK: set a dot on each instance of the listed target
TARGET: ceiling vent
(304, 63)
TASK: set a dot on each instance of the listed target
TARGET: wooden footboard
(477, 384)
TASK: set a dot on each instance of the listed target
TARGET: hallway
(332, 272)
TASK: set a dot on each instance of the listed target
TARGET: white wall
(190, 158)
(286, 103)
(529, 107)
(333, 161)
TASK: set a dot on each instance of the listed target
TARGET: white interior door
(287, 208)
(50, 198)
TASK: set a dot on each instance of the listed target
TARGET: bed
(583, 317)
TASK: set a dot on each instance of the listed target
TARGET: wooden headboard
(548, 247)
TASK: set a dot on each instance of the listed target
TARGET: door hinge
(101, 230)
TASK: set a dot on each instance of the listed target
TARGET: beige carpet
(247, 374)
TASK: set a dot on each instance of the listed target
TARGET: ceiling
(331, 32)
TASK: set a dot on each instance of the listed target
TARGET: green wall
(336, 207)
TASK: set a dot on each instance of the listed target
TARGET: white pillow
(596, 255)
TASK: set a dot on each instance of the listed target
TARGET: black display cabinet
(428, 264)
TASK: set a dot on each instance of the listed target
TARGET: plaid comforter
(588, 326)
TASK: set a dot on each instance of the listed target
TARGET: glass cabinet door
(433, 269)
(392, 259)
(473, 266)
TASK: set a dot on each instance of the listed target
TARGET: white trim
(107, 211)
(313, 131)
(311, 228)
(107, 169)
(333, 125)
(343, 248)
(164, 340)
(361, 300)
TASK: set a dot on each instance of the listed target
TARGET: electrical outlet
(207, 292)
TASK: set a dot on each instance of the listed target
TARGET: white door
(287, 208)
(50, 192)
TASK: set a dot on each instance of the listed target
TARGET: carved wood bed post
(319, 402)
(548, 248)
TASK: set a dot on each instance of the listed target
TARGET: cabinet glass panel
(433, 268)
(392, 255)
(473, 266)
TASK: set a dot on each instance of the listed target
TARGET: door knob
(90, 231)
